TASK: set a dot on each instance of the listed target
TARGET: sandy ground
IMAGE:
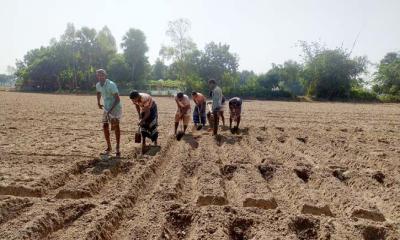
(295, 171)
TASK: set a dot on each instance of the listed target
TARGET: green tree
(387, 78)
(158, 70)
(290, 78)
(245, 76)
(87, 56)
(216, 60)
(106, 45)
(270, 80)
(330, 73)
(135, 48)
(118, 70)
(181, 50)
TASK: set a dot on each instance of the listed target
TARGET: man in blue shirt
(112, 107)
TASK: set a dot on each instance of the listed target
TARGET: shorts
(185, 118)
(114, 115)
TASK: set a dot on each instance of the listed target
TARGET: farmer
(199, 113)
(235, 110)
(146, 108)
(112, 107)
(183, 111)
(216, 94)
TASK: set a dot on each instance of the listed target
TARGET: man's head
(212, 83)
(179, 95)
(101, 75)
(194, 94)
(134, 95)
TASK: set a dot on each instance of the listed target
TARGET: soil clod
(281, 139)
(305, 228)
(228, 171)
(178, 222)
(374, 233)
(239, 229)
(373, 215)
(302, 139)
(316, 210)
(379, 177)
(260, 139)
(267, 171)
(340, 174)
(303, 173)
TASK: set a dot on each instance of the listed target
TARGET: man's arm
(138, 109)
(98, 100)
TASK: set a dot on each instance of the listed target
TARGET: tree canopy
(69, 64)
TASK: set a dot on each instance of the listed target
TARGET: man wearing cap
(112, 107)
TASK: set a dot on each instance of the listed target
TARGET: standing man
(216, 93)
(199, 113)
(183, 111)
(112, 107)
(235, 110)
(146, 108)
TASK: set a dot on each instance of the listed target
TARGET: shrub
(389, 98)
(361, 94)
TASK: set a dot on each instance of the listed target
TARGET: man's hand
(100, 106)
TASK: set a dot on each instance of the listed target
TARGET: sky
(261, 32)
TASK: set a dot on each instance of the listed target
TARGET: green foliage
(389, 98)
(361, 94)
(270, 80)
(216, 61)
(119, 71)
(70, 63)
(290, 78)
(159, 70)
(135, 47)
(387, 78)
(194, 83)
(330, 73)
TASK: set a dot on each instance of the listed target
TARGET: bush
(360, 94)
(389, 98)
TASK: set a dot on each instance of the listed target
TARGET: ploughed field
(294, 171)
